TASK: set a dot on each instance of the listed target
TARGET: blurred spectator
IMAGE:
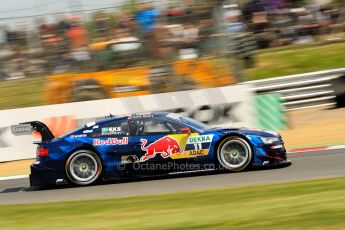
(4, 52)
(232, 16)
(146, 18)
(12, 38)
(241, 43)
(191, 33)
(63, 25)
(2, 35)
(207, 45)
(178, 27)
(125, 21)
(101, 24)
(78, 42)
(77, 33)
(283, 25)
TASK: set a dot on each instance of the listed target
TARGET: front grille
(276, 153)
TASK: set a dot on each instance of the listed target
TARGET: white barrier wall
(225, 106)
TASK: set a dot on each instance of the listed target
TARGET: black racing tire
(234, 154)
(83, 167)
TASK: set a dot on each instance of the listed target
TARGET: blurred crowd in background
(181, 29)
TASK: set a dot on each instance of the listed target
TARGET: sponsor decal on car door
(177, 146)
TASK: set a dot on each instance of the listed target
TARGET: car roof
(133, 116)
(153, 114)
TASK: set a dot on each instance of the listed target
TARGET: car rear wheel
(83, 167)
(234, 154)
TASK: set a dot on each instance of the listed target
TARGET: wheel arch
(88, 147)
(85, 146)
(231, 135)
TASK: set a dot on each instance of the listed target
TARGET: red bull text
(111, 141)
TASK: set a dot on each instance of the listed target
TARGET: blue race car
(146, 144)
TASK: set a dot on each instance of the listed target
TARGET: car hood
(245, 131)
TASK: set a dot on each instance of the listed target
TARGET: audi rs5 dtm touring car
(147, 144)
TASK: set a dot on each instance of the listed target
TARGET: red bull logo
(111, 141)
(166, 146)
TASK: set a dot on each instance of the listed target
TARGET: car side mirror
(186, 131)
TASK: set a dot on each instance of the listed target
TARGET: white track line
(337, 147)
(13, 177)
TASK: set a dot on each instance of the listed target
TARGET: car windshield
(194, 123)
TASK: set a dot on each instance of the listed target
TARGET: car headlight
(269, 140)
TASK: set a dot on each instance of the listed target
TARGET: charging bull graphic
(166, 146)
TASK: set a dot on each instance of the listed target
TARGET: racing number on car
(197, 146)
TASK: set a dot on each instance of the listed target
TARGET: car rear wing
(27, 128)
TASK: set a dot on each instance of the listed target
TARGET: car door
(112, 140)
(156, 141)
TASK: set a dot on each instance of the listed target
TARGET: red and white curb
(318, 148)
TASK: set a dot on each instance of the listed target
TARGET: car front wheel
(83, 167)
(234, 154)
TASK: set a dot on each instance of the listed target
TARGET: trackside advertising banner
(225, 106)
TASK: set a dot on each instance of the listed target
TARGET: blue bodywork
(121, 154)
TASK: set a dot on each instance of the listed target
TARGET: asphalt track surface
(305, 166)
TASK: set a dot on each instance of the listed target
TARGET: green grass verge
(22, 93)
(297, 60)
(270, 63)
(318, 204)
